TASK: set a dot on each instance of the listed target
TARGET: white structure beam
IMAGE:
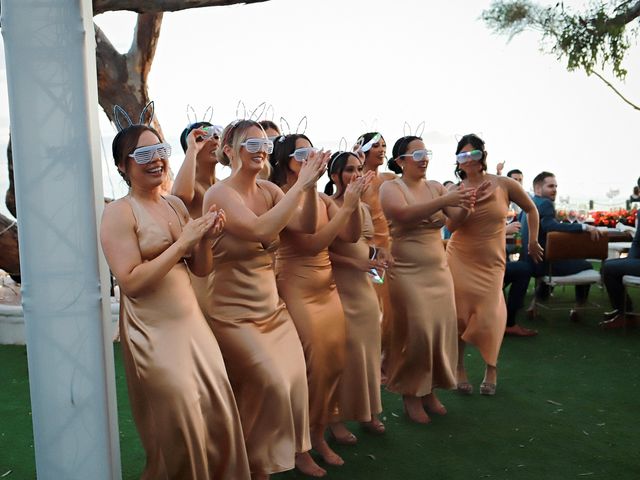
(53, 101)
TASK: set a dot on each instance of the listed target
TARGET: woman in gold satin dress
(196, 175)
(476, 256)
(180, 395)
(373, 154)
(423, 346)
(306, 284)
(359, 387)
(258, 340)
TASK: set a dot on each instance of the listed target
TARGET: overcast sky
(358, 65)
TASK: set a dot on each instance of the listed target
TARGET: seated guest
(516, 274)
(545, 188)
(612, 272)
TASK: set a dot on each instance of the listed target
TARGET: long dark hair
(124, 143)
(337, 164)
(400, 148)
(283, 146)
(478, 144)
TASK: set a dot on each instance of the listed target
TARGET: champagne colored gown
(381, 238)
(424, 343)
(262, 352)
(307, 286)
(181, 399)
(476, 256)
(359, 387)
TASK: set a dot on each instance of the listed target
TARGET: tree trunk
(10, 197)
(9, 254)
(122, 80)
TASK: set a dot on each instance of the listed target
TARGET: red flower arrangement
(611, 219)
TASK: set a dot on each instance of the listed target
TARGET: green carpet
(566, 407)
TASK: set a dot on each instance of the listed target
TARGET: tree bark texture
(156, 6)
(122, 80)
(9, 250)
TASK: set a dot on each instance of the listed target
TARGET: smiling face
(471, 166)
(207, 154)
(149, 175)
(411, 168)
(376, 155)
(253, 161)
(294, 165)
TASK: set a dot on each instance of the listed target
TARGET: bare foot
(374, 426)
(341, 434)
(414, 410)
(433, 405)
(307, 465)
(329, 456)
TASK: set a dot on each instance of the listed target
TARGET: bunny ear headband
(457, 136)
(255, 114)
(300, 129)
(191, 111)
(407, 130)
(120, 116)
(370, 127)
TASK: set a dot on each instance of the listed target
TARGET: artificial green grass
(566, 407)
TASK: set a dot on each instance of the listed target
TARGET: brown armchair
(572, 246)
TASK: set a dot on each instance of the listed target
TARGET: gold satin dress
(359, 387)
(307, 286)
(262, 352)
(424, 342)
(476, 256)
(381, 238)
(181, 399)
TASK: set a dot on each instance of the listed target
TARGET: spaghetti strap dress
(359, 387)
(477, 258)
(262, 351)
(307, 286)
(181, 399)
(424, 343)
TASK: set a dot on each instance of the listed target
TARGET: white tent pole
(53, 101)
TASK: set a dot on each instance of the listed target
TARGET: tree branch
(614, 89)
(627, 15)
(145, 41)
(112, 71)
(158, 6)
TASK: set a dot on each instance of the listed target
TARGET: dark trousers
(518, 275)
(612, 273)
(563, 267)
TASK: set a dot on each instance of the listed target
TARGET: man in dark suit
(545, 188)
(612, 273)
(517, 275)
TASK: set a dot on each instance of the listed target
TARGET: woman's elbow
(129, 290)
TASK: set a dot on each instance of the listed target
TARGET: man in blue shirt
(516, 274)
(545, 188)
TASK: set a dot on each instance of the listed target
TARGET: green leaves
(596, 38)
